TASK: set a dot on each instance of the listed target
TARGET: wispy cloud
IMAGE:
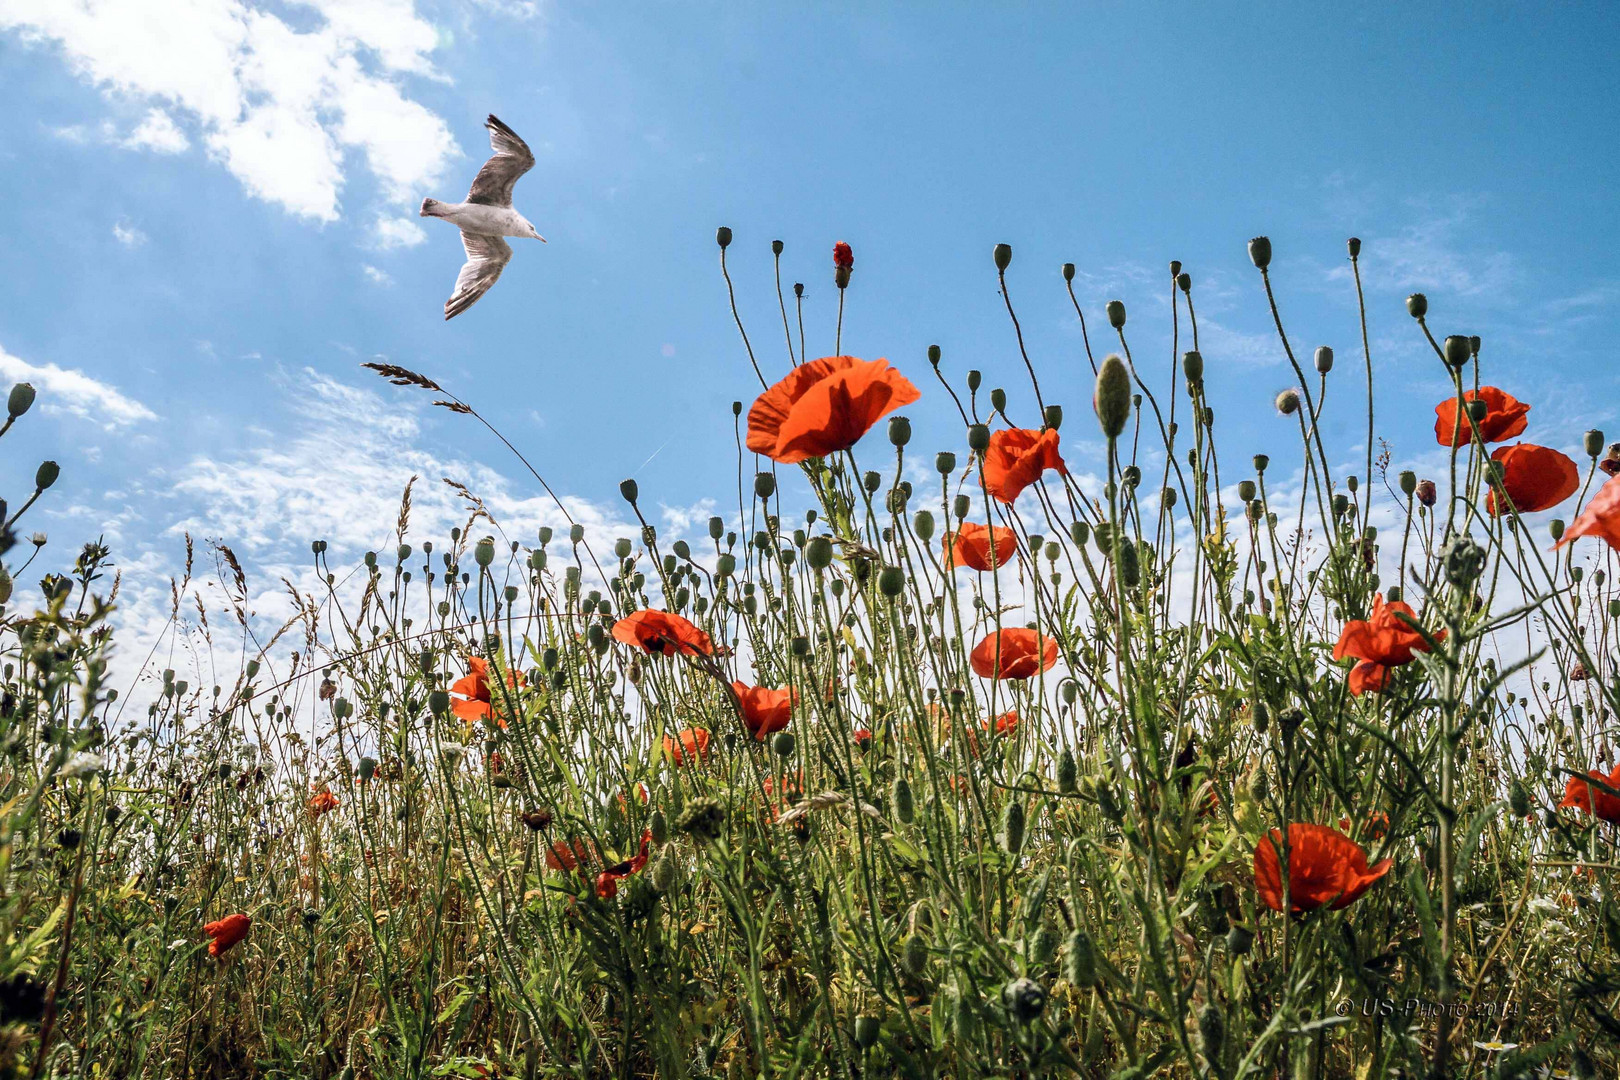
(158, 133)
(74, 392)
(1433, 253)
(376, 276)
(396, 232)
(128, 234)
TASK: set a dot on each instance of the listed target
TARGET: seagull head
(534, 232)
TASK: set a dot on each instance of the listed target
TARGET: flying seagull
(486, 217)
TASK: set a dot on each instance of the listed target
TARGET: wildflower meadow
(938, 761)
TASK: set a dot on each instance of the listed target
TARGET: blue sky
(212, 224)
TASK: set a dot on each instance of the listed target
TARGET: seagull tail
(430, 207)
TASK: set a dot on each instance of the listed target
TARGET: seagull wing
(487, 256)
(493, 184)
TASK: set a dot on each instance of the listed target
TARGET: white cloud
(158, 133)
(391, 233)
(74, 392)
(128, 234)
(376, 276)
(278, 106)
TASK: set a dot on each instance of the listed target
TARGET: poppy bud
(1043, 945)
(764, 484)
(1417, 305)
(1025, 999)
(5, 585)
(1324, 359)
(1556, 528)
(904, 807)
(46, 474)
(1185, 282)
(945, 462)
(1012, 827)
(1288, 402)
(1079, 532)
(1113, 396)
(1260, 252)
(1054, 416)
(1211, 1030)
(1408, 481)
(974, 378)
(891, 581)
(1456, 350)
(722, 236)
(20, 400)
(658, 826)
(1003, 256)
(576, 534)
(1116, 314)
(914, 954)
(1130, 569)
(899, 430)
(783, 744)
(629, 490)
(998, 400)
(662, 874)
(1426, 493)
(1192, 366)
(1080, 960)
(1519, 799)
(776, 247)
(1068, 271)
(1239, 940)
(923, 525)
(1067, 773)
(1464, 560)
(866, 1031)
(979, 437)
(1246, 490)
(439, 702)
(1594, 443)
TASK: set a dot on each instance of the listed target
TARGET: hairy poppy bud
(1080, 960)
(1192, 366)
(20, 400)
(1246, 490)
(1324, 359)
(1594, 443)
(866, 1031)
(630, 491)
(1012, 827)
(1043, 945)
(923, 525)
(1068, 271)
(899, 430)
(1211, 1030)
(46, 474)
(1260, 252)
(1464, 561)
(1112, 399)
(1003, 256)
(722, 236)
(914, 954)
(1456, 350)
(1417, 305)
(764, 485)
(1130, 569)
(1519, 799)
(662, 874)
(891, 581)
(945, 462)
(904, 807)
(1288, 402)
(5, 585)
(1025, 999)
(979, 437)
(1067, 773)
(1116, 314)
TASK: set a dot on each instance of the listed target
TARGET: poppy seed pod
(439, 702)
(1192, 366)
(1260, 252)
(899, 430)
(933, 355)
(630, 491)
(1116, 314)
(1556, 528)
(1324, 359)
(891, 581)
(46, 474)
(1079, 532)
(783, 744)
(20, 400)
(1408, 481)
(798, 289)
(974, 378)
(484, 551)
(961, 505)
(1288, 402)
(576, 534)
(1175, 268)
(1456, 351)
(368, 768)
(1246, 490)
(1112, 399)
(1068, 271)
(1184, 281)
(998, 400)
(866, 1031)
(979, 437)
(1025, 999)
(1054, 416)
(1594, 443)
(776, 247)
(1417, 305)
(1003, 256)
(722, 236)
(945, 462)
(923, 525)
(1354, 244)
(764, 485)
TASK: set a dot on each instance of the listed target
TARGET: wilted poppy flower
(227, 932)
(474, 703)
(691, 745)
(1601, 517)
(1324, 867)
(825, 406)
(862, 737)
(765, 711)
(321, 802)
(607, 882)
(1377, 825)
(1426, 493)
(1504, 418)
(843, 256)
(568, 855)
(1535, 477)
(1383, 641)
(662, 633)
(1016, 458)
(1003, 725)
(1594, 800)
(970, 546)
(1013, 653)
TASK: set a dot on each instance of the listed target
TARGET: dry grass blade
(400, 376)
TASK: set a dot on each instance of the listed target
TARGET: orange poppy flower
(1013, 653)
(825, 406)
(1324, 867)
(568, 854)
(227, 932)
(1591, 800)
(663, 633)
(1016, 458)
(321, 802)
(1003, 725)
(765, 711)
(607, 882)
(1377, 825)
(474, 703)
(1601, 517)
(970, 546)
(692, 746)
(1380, 642)
(1535, 477)
(1504, 418)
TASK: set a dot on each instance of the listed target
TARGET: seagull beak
(540, 238)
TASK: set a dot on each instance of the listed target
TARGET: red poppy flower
(321, 802)
(692, 746)
(607, 882)
(863, 738)
(227, 932)
(474, 703)
(765, 711)
(1324, 867)
(1535, 477)
(1013, 653)
(1003, 725)
(1368, 677)
(1016, 458)
(568, 854)
(1380, 642)
(825, 406)
(1377, 825)
(663, 633)
(843, 256)
(1593, 800)
(970, 546)
(1601, 518)
(1504, 418)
